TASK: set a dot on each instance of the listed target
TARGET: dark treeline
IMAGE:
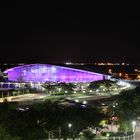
(46, 120)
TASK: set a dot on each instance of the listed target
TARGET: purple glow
(44, 72)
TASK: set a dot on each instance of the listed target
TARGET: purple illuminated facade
(44, 72)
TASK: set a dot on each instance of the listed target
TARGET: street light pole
(112, 119)
(134, 127)
(59, 130)
(70, 125)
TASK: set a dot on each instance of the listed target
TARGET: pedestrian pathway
(137, 134)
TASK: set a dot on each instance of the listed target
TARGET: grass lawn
(70, 96)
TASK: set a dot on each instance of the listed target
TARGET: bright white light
(77, 101)
(133, 123)
(68, 63)
(59, 89)
(66, 91)
(74, 91)
(124, 84)
(69, 125)
(107, 134)
(97, 90)
(84, 102)
(21, 109)
(83, 106)
(53, 69)
(83, 91)
(90, 91)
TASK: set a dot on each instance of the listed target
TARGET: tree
(104, 85)
(69, 87)
(126, 107)
(50, 87)
(47, 120)
(2, 78)
(88, 135)
(6, 136)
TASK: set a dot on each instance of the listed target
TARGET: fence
(131, 137)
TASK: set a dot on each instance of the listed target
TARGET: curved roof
(51, 73)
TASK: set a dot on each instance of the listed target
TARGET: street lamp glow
(107, 135)
(97, 90)
(77, 101)
(84, 102)
(59, 89)
(66, 91)
(69, 125)
(114, 106)
(133, 125)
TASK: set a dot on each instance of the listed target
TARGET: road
(25, 97)
(137, 134)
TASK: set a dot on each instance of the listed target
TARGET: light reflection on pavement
(25, 97)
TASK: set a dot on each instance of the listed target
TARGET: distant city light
(68, 63)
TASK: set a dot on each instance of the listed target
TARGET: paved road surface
(137, 136)
(25, 97)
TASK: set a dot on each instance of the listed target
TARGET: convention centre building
(51, 73)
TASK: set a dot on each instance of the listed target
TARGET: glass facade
(50, 73)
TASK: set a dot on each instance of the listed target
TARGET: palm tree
(50, 87)
(67, 87)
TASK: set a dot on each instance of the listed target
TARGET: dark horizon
(56, 35)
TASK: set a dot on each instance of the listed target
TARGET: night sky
(69, 34)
